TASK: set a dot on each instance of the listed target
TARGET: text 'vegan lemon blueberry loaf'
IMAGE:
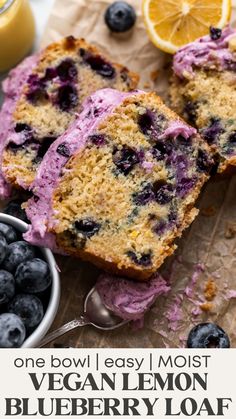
(65, 73)
(120, 185)
(203, 91)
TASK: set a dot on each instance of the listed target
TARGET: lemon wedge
(172, 24)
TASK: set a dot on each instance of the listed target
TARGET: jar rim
(6, 6)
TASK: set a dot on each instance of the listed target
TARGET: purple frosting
(12, 88)
(178, 128)
(128, 299)
(39, 211)
(206, 53)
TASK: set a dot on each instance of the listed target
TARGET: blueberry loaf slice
(66, 73)
(120, 185)
(203, 91)
(12, 88)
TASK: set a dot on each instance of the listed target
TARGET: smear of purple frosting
(129, 299)
(12, 88)
(206, 53)
(39, 210)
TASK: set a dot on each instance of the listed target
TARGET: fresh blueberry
(18, 252)
(24, 129)
(163, 192)
(3, 248)
(12, 331)
(67, 70)
(211, 134)
(7, 287)
(145, 196)
(9, 232)
(215, 33)
(98, 64)
(204, 163)
(97, 139)
(146, 122)
(37, 90)
(125, 159)
(87, 227)
(29, 308)
(50, 74)
(184, 185)
(14, 209)
(67, 97)
(144, 259)
(63, 150)
(120, 16)
(207, 335)
(33, 276)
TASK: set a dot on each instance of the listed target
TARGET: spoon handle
(81, 321)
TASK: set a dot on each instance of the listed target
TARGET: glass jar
(17, 31)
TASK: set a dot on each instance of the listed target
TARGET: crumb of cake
(146, 85)
(206, 306)
(210, 290)
(208, 211)
(154, 75)
(230, 230)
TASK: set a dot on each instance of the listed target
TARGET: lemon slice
(174, 23)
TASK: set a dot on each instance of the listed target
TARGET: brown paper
(206, 256)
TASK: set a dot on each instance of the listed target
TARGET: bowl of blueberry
(29, 287)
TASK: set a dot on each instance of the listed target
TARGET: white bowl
(33, 340)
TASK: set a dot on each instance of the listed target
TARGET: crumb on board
(206, 306)
(208, 211)
(154, 75)
(230, 230)
(210, 290)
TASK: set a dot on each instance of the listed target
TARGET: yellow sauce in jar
(17, 31)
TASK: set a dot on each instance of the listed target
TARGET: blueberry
(190, 110)
(207, 335)
(67, 70)
(29, 308)
(9, 232)
(204, 163)
(44, 145)
(33, 276)
(215, 33)
(98, 64)
(162, 149)
(185, 185)
(50, 74)
(36, 94)
(145, 259)
(3, 247)
(163, 192)
(120, 16)
(87, 227)
(7, 287)
(23, 128)
(97, 139)
(18, 252)
(67, 97)
(232, 137)
(211, 134)
(145, 196)
(125, 159)
(12, 331)
(146, 122)
(63, 150)
(14, 209)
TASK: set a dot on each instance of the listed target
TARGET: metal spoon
(95, 314)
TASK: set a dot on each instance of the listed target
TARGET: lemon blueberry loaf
(203, 91)
(119, 186)
(66, 73)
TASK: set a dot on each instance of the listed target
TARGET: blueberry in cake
(120, 185)
(63, 75)
(203, 91)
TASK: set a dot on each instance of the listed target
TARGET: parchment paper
(203, 270)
